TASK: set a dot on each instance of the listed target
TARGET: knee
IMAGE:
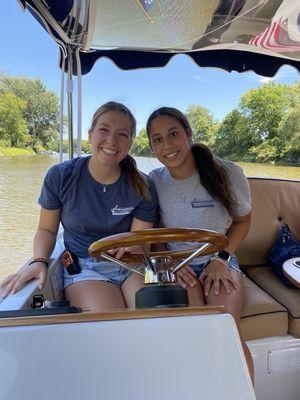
(236, 316)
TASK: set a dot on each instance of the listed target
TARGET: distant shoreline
(13, 151)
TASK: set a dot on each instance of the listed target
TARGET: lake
(21, 178)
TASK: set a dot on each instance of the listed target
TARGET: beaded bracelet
(42, 260)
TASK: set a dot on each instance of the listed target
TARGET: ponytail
(137, 181)
(213, 176)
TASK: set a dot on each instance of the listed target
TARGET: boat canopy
(235, 35)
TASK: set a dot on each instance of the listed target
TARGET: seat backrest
(273, 201)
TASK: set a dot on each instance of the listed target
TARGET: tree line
(265, 127)
(29, 114)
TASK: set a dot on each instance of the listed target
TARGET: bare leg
(196, 295)
(95, 296)
(234, 303)
(131, 285)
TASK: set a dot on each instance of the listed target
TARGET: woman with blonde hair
(93, 197)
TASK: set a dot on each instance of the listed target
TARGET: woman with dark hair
(93, 197)
(198, 190)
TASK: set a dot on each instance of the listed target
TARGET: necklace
(103, 188)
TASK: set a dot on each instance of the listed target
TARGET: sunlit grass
(270, 171)
(13, 151)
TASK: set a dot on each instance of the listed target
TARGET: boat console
(144, 354)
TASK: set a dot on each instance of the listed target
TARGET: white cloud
(286, 74)
(265, 79)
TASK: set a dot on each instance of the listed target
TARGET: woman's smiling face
(111, 138)
(170, 141)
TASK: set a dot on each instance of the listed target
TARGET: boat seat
(288, 297)
(272, 309)
(262, 316)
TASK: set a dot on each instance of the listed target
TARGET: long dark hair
(213, 176)
(137, 180)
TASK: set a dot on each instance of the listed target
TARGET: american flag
(276, 37)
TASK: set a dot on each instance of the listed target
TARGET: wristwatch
(223, 256)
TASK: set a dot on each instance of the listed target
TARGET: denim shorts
(233, 264)
(92, 270)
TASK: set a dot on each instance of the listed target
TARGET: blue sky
(27, 50)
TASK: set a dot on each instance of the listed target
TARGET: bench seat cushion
(262, 316)
(288, 297)
(273, 202)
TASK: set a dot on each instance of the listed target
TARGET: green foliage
(141, 145)
(265, 152)
(202, 123)
(295, 94)
(41, 109)
(54, 146)
(265, 128)
(13, 151)
(289, 133)
(231, 137)
(85, 146)
(264, 108)
(13, 129)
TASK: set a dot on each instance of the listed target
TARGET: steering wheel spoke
(209, 242)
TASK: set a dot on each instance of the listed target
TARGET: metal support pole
(79, 102)
(70, 102)
(61, 113)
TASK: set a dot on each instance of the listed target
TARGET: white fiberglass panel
(276, 361)
(190, 357)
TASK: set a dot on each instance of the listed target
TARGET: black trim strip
(265, 313)
(288, 311)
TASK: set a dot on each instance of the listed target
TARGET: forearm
(138, 225)
(45, 237)
(237, 233)
(43, 244)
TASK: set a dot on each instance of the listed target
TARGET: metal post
(70, 102)
(61, 116)
(79, 102)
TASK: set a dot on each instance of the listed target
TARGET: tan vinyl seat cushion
(262, 316)
(273, 201)
(288, 297)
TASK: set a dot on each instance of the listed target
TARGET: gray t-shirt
(89, 213)
(187, 204)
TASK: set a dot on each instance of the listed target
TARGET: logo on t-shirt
(121, 211)
(202, 203)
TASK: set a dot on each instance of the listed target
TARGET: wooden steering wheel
(216, 240)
